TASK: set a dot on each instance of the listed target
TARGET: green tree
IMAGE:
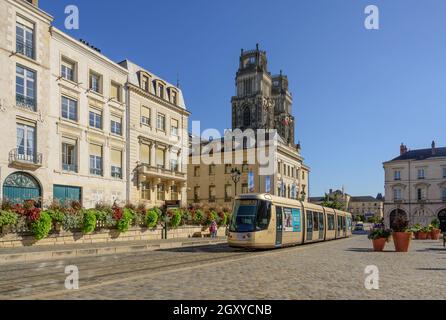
(333, 201)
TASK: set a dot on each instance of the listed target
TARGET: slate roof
(422, 154)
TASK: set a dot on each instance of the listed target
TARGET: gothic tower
(262, 101)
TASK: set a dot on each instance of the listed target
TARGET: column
(153, 155)
(167, 158)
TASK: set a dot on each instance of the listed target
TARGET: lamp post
(236, 175)
(303, 194)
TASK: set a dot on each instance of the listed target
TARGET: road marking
(155, 274)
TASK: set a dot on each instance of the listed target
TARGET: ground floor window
(160, 192)
(145, 190)
(20, 187)
(174, 193)
(65, 195)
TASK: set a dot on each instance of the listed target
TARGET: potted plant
(416, 229)
(422, 234)
(401, 234)
(379, 238)
(436, 231)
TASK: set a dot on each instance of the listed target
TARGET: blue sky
(357, 93)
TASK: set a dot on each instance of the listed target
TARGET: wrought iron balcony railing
(19, 156)
(26, 102)
(69, 167)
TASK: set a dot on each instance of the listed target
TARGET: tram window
(309, 221)
(331, 222)
(339, 223)
(321, 221)
(250, 216)
(315, 221)
(263, 215)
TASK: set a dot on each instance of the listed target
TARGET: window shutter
(144, 156)
(159, 156)
(95, 150)
(116, 158)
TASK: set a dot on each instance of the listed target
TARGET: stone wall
(100, 236)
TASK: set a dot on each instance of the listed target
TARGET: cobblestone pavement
(330, 270)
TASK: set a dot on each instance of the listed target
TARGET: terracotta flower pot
(422, 235)
(435, 234)
(379, 244)
(401, 240)
(428, 235)
(417, 235)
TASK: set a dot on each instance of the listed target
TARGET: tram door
(279, 226)
(309, 228)
(321, 226)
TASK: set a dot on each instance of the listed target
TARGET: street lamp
(236, 175)
(303, 193)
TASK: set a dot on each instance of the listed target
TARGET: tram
(264, 221)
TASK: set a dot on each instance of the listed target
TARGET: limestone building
(157, 139)
(415, 186)
(262, 102)
(367, 206)
(77, 126)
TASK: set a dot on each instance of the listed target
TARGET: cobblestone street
(331, 270)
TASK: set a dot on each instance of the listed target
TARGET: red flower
(34, 214)
(117, 213)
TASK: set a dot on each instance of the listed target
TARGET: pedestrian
(213, 229)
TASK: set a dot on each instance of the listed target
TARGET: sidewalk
(36, 253)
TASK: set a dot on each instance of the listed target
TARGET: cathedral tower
(262, 101)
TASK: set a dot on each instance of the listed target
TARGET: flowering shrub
(89, 222)
(151, 218)
(198, 217)
(56, 215)
(42, 226)
(175, 219)
(123, 224)
(8, 218)
(73, 220)
(117, 213)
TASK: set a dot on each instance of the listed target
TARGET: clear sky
(357, 93)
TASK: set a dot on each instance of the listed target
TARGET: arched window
(20, 187)
(246, 117)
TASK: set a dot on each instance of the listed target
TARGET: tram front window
(250, 216)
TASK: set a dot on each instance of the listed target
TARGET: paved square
(330, 270)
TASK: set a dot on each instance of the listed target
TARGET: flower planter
(379, 244)
(435, 234)
(422, 235)
(5, 230)
(428, 236)
(417, 235)
(401, 240)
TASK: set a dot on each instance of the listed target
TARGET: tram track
(141, 272)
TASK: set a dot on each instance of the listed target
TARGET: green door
(66, 194)
(20, 187)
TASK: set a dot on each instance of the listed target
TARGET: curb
(85, 252)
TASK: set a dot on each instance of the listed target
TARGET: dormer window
(145, 83)
(173, 97)
(160, 91)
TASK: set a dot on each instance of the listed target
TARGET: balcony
(69, 167)
(116, 172)
(96, 171)
(27, 161)
(25, 102)
(161, 172)
(25, 49)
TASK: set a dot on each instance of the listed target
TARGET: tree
(333, 201)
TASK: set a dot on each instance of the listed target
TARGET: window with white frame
(67, 69)
(146, 116)
(115, 91)
(95, 82)
(25, 38)
(69, 155)
(116, 164)
(95, 119)
(421, 173)
(174, 127)
(161, 122)
(26, 142)
(95, 160)
(26, 88)
(397, 175)
(69, 109)
(397, 194)
(116, 125)
(421, 194)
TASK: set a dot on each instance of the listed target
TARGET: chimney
(434, 151)
(403, 149)
(33, 2)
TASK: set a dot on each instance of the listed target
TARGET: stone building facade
(72, 119)
(157, 139)
(367, 206)
(415, 186)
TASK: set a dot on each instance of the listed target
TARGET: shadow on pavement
(431, 269)
(216, 248)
